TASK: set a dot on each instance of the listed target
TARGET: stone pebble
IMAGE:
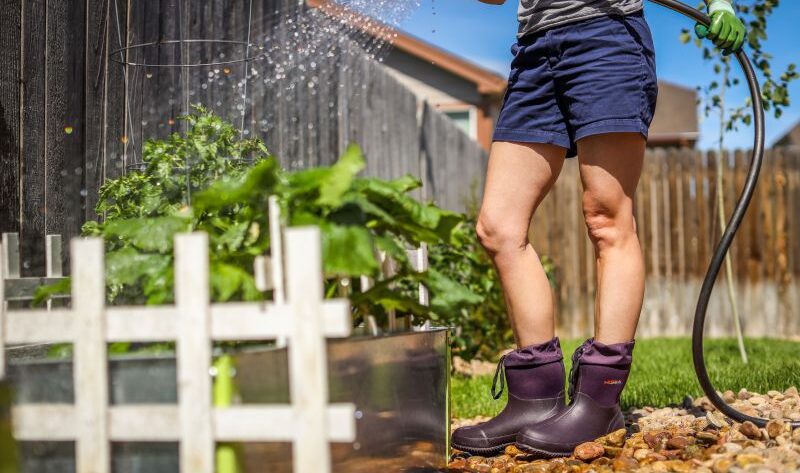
(693, 438)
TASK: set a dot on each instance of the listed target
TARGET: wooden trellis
(305, 319)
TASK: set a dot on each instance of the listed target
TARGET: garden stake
(735, 221)
(224, 390)
(8, 450)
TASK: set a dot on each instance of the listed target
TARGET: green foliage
(210, 180)
(482, 328)
(774, 85)
(663, 373)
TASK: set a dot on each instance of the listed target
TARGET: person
(583, 82)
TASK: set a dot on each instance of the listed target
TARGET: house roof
(487, 82)
(675, 119)
(790, 138)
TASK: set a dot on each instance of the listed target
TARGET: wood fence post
(90, 365)
(308, 369)
(53, 255)
(419, 261)
(2, 311)
(192, 299)
(276, 250)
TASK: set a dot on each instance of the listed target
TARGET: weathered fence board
(677, 220)
(34, 112)
(10, 17)
(454, 167)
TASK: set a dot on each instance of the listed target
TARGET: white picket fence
(303, 318)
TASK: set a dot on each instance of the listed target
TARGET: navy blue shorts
(580, 79)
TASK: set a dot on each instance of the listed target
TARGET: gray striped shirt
(539, 15)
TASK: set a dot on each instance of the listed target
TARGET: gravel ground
(693, 437)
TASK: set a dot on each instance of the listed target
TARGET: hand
(727, 32)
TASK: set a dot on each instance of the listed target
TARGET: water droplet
(68, 130)
(227, 70)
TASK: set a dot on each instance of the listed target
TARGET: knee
(497, 237)
(608, 223)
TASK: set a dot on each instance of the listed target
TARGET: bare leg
(519, 177)
(610, 167)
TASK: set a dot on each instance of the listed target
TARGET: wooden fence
(677, 222)
(306, 319)
(71, 117)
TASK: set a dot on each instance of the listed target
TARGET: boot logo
(612, 381)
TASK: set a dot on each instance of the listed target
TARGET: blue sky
(484, 34)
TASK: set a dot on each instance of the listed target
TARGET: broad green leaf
(126, 266)
(43, 293)
(340, 178)
(228, 280)
(447, 294)
(390, 298)
(258, 182)
(148, 234)
(348, 250)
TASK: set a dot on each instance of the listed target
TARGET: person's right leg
(519, 177)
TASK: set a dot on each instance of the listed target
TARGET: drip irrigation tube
(733, 225)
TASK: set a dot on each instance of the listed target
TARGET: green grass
(663, 373)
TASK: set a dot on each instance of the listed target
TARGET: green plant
(481, 329)
(211, 180)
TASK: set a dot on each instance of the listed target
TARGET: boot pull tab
(573, 372)
(500, 367)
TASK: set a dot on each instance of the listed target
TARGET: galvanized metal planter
(399, 384)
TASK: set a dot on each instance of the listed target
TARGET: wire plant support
(164, 76)
(119, 55)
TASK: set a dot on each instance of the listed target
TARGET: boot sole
(542, 453)
(486, 451)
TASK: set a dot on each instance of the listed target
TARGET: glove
(727, 32)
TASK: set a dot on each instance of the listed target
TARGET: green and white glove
(727, 32)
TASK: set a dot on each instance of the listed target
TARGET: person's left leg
(610, 166)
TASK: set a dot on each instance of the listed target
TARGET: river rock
(588, 451)
(614, 439)
(723, 465)
(775, 428)
(623, 463)
(750, 430)
(678, 442)
(716, 419)
(745, 459)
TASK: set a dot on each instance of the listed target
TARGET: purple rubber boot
(598, 375)
(535, 377)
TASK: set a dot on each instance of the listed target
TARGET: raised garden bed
(398, 383)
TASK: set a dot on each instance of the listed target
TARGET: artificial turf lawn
(663, 373)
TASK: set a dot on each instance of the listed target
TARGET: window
(464, 120)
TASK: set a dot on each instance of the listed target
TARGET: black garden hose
(733, 225)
